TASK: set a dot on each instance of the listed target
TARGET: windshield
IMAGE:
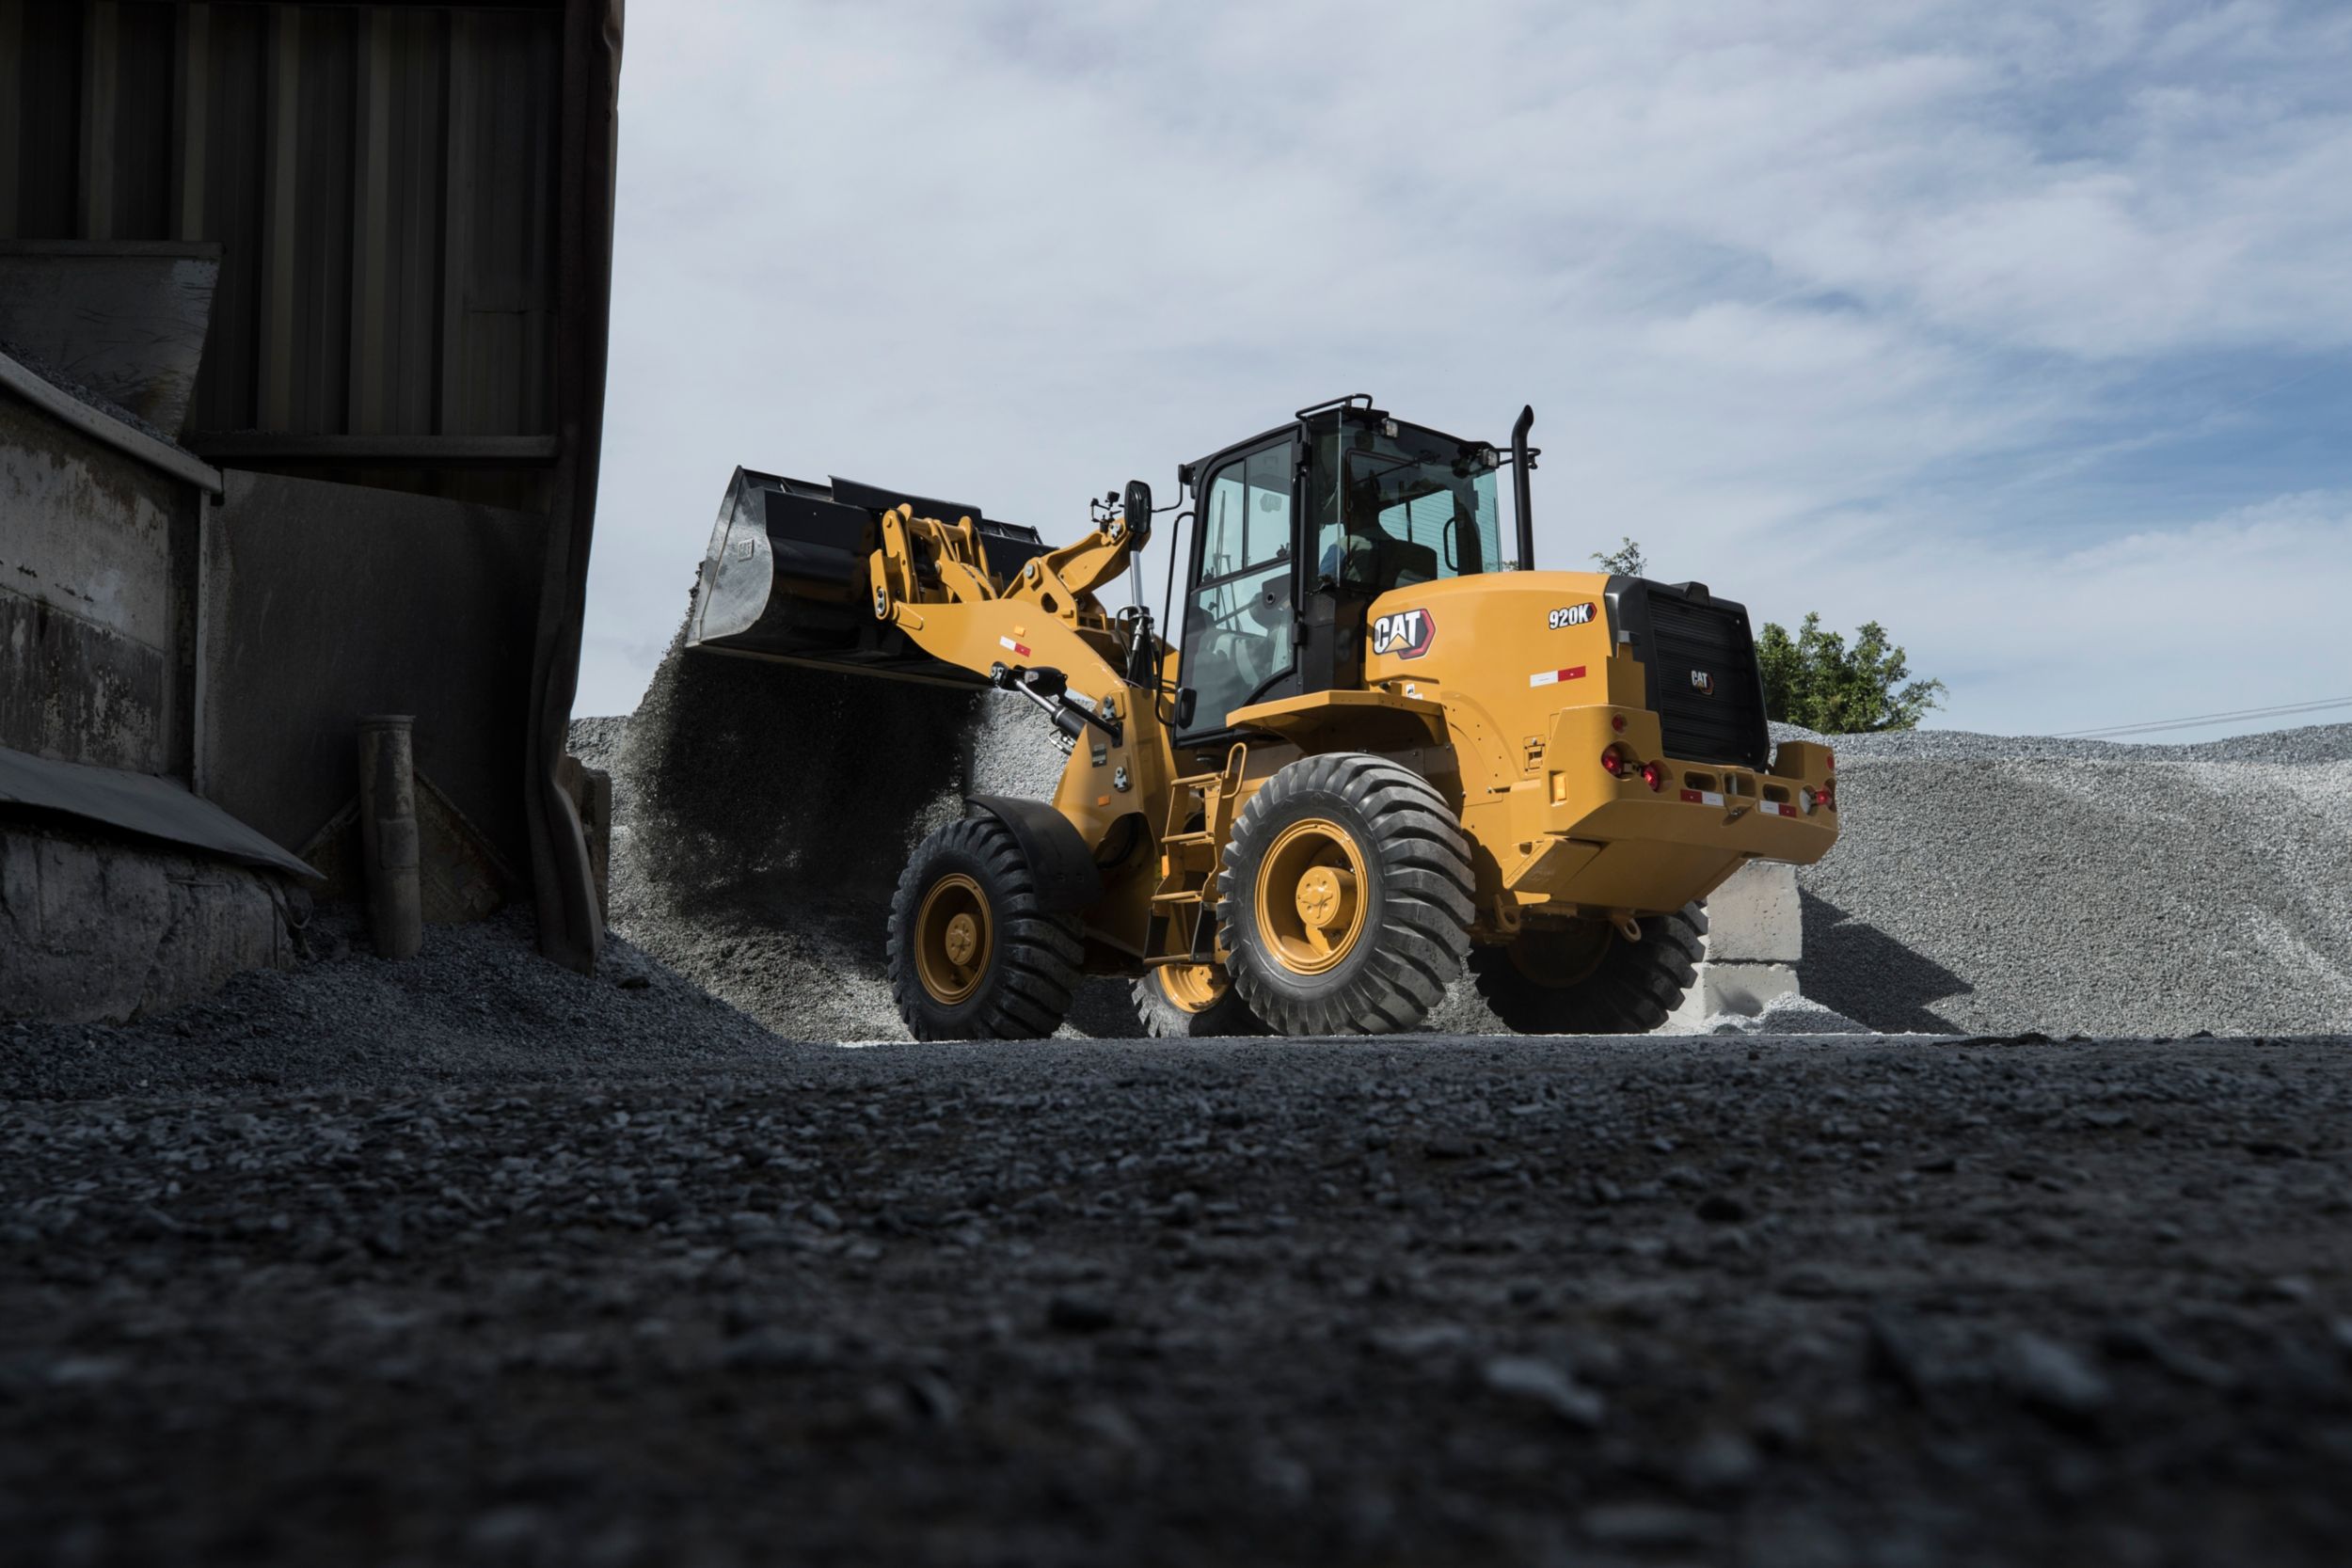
(1413, 507)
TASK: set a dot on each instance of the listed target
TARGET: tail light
(1806, 798)
(1829, 794)
(1616, 723)
(1653, 775)
(1611, 762)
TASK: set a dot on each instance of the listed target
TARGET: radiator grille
(1703, 681)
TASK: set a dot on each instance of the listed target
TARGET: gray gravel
(475, 1006)
(391, 1279)
(1993, 884)
(2313, 743)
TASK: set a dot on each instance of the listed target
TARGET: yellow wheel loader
(1368, 745)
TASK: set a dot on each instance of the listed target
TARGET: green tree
(1814, 680)
(1625, 561)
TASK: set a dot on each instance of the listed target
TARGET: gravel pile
(1987, 883)
(477, 1004)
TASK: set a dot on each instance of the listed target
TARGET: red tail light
(1652, 774)
(1611, 762)
(1616, 723)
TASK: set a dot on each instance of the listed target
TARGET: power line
(2207, 719)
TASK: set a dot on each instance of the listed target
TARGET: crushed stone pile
(477, 1006)
(1989, 884)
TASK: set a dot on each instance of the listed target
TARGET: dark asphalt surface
(406, 1298)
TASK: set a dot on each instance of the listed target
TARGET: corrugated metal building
(399, 382)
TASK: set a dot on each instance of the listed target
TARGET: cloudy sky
(2025, 329)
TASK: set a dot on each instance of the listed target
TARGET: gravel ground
(469, 1260)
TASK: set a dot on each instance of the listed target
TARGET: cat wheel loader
(1369, 744)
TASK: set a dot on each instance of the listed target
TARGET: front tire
(973, 953)
(1585, 979)
(1346, 898)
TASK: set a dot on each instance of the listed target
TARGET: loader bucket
(786, 575)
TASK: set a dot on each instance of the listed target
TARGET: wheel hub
(1326, 896)
(1310, 913)
(1193, 988)
(953, 939)
(963, 940)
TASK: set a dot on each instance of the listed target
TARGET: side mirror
(1187, 700)
(1138, 506)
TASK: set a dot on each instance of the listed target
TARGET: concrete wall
(96, 927)
(324, 602)
(97, 556)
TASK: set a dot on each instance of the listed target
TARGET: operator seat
(1378, 560)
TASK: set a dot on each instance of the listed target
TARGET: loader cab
(1298, 531)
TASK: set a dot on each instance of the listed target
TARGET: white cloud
(1771, 276)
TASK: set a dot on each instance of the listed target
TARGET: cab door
(1241, 632)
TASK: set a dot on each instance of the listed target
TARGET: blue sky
(2026, 330)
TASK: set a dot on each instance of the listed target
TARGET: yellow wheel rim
(1193, 988)
(953, 939)
(1310, 895)
(1558, 957)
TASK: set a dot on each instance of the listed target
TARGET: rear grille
(1703, 681)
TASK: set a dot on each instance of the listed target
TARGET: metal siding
(381, 180)
(49, 128)
(235, 40)
(146, 63)
(322, 123)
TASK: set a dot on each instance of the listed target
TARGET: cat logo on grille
(1702, 683)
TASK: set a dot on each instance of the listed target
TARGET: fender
(1068, 879)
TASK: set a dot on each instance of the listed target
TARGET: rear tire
(1346, 896)
(972, 954)
(1551, 981)
(1195, 1002)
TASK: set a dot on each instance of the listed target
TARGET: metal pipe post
(388, 833)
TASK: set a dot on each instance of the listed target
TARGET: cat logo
(1574, 615)
(1406, 634)
(1702, 683)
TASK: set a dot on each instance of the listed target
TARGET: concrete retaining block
(1756, 917)
(1730, 987)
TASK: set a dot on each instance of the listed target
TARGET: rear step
(785, 576)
